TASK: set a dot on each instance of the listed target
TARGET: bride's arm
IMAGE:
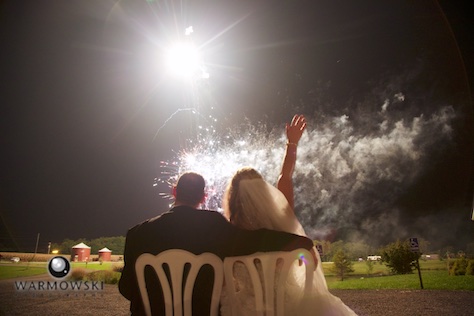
(285, 180)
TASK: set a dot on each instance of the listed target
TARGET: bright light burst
(183, 59)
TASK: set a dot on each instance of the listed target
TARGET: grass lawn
(8, 271)
(14, 270)
(95, 265)
(432, 280)
(433, 273)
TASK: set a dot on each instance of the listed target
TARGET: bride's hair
(252, 203)
(232, 202)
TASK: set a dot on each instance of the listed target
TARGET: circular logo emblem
(59, 267)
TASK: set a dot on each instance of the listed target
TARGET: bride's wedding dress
(267, 207)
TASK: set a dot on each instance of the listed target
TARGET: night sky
(88, 113)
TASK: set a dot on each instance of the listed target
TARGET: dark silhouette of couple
(257, 217)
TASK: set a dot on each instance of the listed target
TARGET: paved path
(408, 302)
(109, 302)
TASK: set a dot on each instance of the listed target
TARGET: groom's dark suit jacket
(197, 231)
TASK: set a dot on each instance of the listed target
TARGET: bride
(251, 203)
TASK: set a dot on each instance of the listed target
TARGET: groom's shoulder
(150, 221)
(292, 240)
(185, 212)
(182, 216)
(211, 214)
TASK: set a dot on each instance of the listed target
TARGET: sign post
(414, 247)
(319, 248)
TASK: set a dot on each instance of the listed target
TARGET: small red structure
(80, 252)
(105, 254)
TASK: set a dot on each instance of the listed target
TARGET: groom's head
(189, 190)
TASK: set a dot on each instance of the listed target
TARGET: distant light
(183, 59)
(55, 251)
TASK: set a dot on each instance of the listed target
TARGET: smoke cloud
(349, 179)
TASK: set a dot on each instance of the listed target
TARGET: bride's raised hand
(295, 129)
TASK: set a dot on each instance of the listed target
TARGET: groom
(186, 227)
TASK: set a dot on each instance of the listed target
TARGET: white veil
(264, 206)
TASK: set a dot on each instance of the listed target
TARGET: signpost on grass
(319, 248)
(415, 247)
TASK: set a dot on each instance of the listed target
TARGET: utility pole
(37, 241)
(36, 250)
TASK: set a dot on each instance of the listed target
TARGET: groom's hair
(190, 188)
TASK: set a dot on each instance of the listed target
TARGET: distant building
(105, 254)
(80, 253)
(430, 257)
